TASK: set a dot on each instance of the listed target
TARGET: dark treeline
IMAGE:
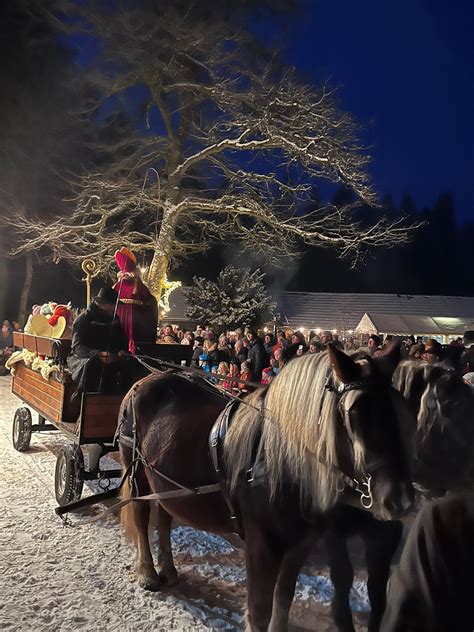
(437, 261)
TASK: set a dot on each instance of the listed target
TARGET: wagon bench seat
(51, 347)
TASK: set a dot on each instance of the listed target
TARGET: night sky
(405, 70)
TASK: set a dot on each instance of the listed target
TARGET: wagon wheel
(21, 433)
(69, 474)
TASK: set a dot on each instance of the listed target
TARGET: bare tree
(227, 146)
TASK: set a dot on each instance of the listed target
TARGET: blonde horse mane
(403, 381)
(297, 415)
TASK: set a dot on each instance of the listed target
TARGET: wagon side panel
(45, 396)
(99, 417)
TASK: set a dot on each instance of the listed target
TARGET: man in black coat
(257, 355)
(96, 360)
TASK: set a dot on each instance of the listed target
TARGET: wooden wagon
(89, 422)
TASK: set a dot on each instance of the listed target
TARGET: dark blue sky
(405, 70)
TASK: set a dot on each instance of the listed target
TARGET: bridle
(347, 398)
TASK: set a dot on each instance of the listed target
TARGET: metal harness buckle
(366, 498)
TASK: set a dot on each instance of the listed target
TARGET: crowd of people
(6, 342)
(246, 355)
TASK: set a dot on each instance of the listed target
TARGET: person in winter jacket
(197, 351)
(240, 352)
(210, 349)
(281, 341)
(223, 350)
(246, 375)
(269, 343)
(257, 355)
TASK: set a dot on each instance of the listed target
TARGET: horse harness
(216, 442)
(255, 475)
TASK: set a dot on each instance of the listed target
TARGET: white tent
(405, 324)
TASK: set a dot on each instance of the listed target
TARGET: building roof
(330, 310)
(343, 312)
(412, 324)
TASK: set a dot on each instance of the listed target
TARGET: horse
(443, 411)
(326, 429)
(444, 408)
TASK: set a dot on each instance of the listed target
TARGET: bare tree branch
(233, 150)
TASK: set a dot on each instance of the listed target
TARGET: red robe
(137, 309)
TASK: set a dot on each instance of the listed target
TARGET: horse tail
(127, 518)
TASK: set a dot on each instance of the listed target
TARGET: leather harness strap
(216, 443)
(255, 474)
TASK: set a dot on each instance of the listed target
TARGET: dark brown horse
(442, 409)
(325, 421)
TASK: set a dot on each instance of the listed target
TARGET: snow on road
(82, 577)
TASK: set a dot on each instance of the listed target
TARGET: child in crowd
(232, 384)
(245, 376)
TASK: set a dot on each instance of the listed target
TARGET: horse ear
(343, 365)
(388, 360)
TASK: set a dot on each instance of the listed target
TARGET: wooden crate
(47, 397)
(99, 417)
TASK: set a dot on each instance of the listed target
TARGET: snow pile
(212, 618)
(198, 543)
(320, 588)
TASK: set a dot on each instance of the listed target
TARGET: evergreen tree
(237, 298)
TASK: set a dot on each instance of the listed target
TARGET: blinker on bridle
(362, 487)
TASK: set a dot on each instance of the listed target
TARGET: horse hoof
(168, 578)
(149, 581)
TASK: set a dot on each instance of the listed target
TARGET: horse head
(453, 396)
(372, 414)
(445, 439)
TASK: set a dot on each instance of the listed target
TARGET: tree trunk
(3, 287)
(161, 258)
(157, 273)
(25, 293)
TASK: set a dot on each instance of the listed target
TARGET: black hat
(107, 295)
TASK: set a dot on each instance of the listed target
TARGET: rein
(362, 486)
(189, 370)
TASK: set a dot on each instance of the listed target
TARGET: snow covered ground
(82, 577)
